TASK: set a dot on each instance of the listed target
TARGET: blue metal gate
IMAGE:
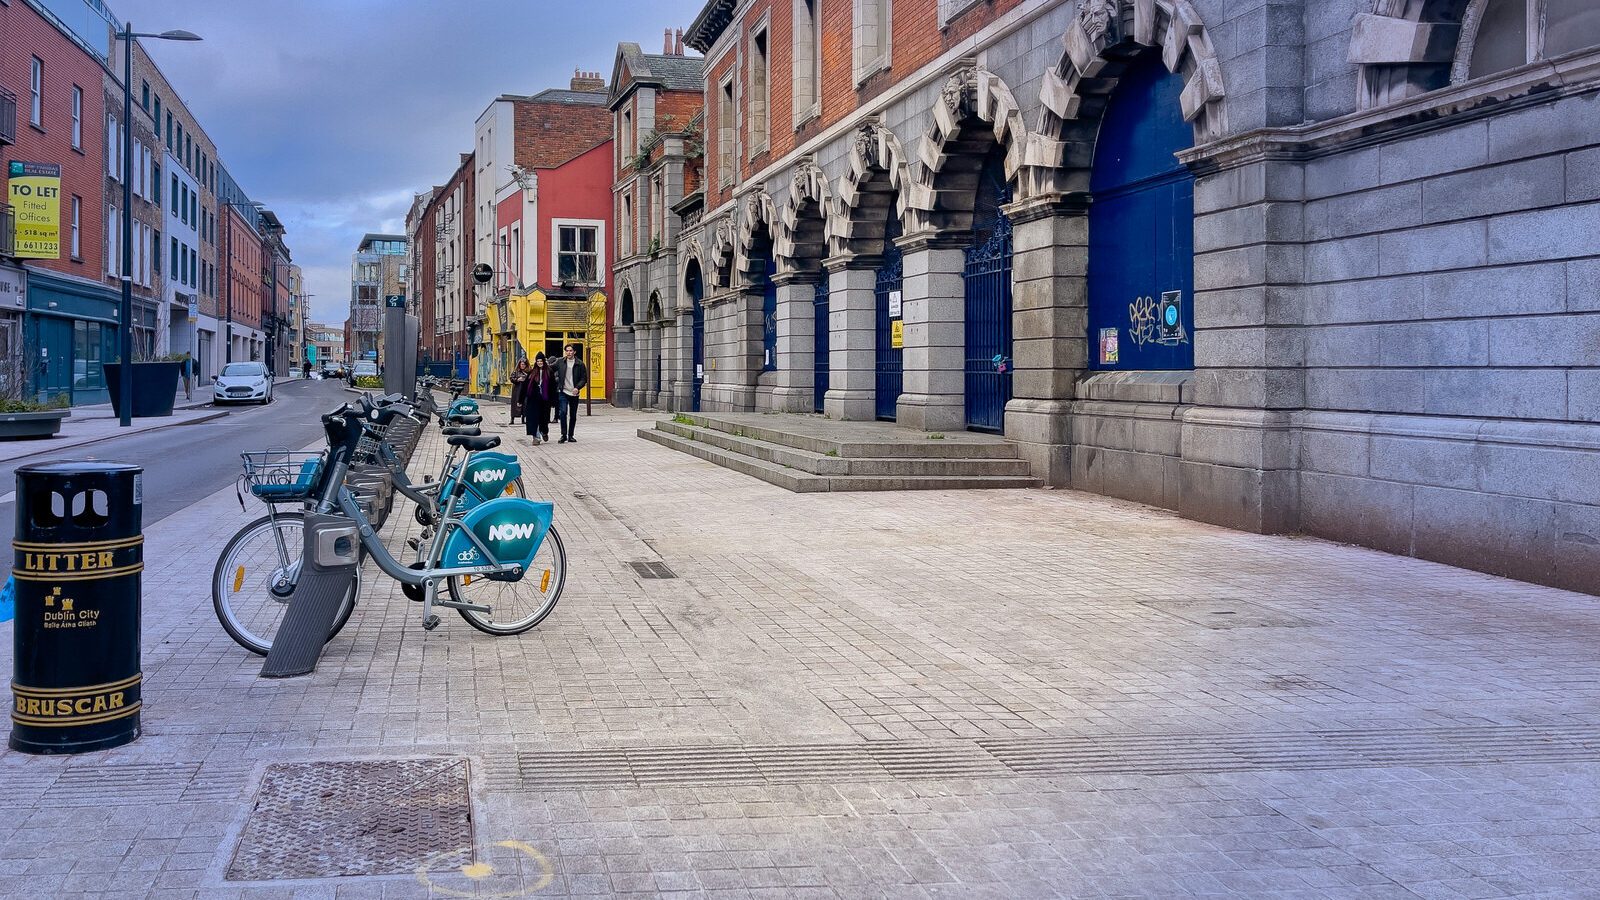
(769, 317)
(988, 289)
(819, 344)
(890, 363)
(698, 335)
(1141, 227)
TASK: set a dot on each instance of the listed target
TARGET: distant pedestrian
(305, 370)
(572, 376)
(188, 376)
(539, 396)
(519, 385)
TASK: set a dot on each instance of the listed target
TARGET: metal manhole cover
(320, 820)
(1227, 613)
(652, 570)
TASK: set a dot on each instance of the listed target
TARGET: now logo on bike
(513, 531)
(485, 476)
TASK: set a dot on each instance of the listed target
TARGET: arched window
(1502, 34)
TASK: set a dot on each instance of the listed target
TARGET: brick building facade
(1284, 267)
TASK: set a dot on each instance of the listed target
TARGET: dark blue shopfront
(1141, 227)
(72, 332)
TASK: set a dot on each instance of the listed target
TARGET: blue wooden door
(697, 336)
(988, 288)
(819, 344)
(1141, 228)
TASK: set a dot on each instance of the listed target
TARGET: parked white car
(242, 382)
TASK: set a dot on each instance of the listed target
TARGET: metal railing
(8, 231)
(8, 117)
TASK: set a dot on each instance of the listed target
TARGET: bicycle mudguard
(464, 407)
(488, 475)
(511, 527)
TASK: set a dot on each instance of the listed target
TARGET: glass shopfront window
(88, 349)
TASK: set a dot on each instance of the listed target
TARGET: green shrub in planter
(369, 381)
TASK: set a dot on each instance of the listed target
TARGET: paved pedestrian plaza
(1010, 693)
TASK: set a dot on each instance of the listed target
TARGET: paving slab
(944, 693)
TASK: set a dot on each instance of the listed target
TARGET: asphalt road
(187, 463)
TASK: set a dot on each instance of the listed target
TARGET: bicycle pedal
(430, 623)
(414, 543)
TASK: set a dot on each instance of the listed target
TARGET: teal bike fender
(512, 528)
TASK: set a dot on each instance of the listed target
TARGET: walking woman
(519, 388)
(540, 396)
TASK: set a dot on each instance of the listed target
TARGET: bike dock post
(331, 554)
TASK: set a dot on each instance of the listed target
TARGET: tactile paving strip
(370, 817)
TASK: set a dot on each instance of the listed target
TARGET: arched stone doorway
(625, 361)
(987, 278)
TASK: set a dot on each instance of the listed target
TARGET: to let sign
(35, 194)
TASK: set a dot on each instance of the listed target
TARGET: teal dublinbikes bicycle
(498, 562)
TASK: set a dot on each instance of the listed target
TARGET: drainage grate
(650, 569)
(319, 820)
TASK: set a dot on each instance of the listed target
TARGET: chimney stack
(666, 42)
(677, 47)
(588, 82)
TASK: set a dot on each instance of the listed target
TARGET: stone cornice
(1531, 85)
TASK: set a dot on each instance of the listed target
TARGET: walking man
(572, 376)
(188, 376)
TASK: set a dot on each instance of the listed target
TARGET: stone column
(623, 365)
(1049, 324)
(935, 334)
(733, 331)
(852, 338)
(644, 365)
(794, 389)
(1238, 465)
(680, 368)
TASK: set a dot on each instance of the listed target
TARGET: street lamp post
(127, 35)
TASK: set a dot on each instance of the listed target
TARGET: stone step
(825, 464)
(806, 482)
(915, 444)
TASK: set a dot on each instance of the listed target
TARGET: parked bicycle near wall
(499, 561)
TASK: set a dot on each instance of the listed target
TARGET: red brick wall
(916, 41)
(716, 194)
(243, 267)
(549, 134)
(27, 35)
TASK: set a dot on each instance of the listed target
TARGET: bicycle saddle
(474, 442)
(465, 420)
(472, 431)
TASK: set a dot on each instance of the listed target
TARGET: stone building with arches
(1325, 267)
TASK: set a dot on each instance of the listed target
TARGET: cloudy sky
(334, 112)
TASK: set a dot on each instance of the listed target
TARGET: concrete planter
(20, 425)
(155, 387)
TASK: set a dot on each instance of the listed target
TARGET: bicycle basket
(367, 449)
(279, 476)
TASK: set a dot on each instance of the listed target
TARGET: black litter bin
(79, 551)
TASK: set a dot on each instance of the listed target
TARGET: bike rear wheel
(516, 605)
(255, 576)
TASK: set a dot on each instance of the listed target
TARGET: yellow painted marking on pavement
(478, 870)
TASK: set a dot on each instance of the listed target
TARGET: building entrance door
(988, 285)
(819, 343)
(1141, 227)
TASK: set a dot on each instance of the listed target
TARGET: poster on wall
(35, 197)
(1108, 346)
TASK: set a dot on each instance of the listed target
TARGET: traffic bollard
(79, 551)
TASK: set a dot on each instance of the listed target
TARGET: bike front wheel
(516, 606)
(255, 576)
